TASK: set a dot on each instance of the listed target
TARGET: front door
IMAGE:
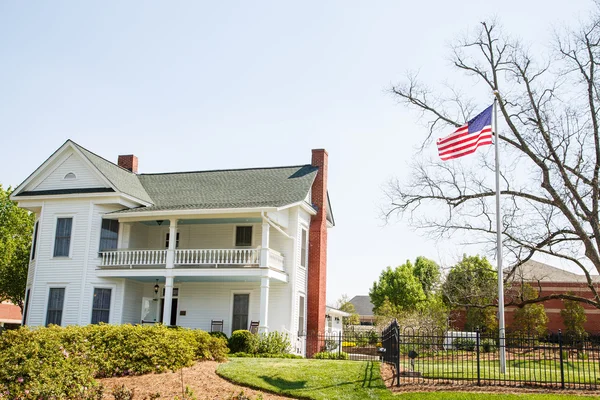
(173, 321)
(240, 312)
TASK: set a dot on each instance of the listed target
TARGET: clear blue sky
(192, 86)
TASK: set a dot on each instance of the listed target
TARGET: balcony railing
(134, 258)
(250, 257)
(185, 258)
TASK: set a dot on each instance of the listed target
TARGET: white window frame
(113, 290)
(251, 236)
(301, 329)
(55, 286)
(56, 217)
(35, 243)
(304, 228)
(177, 238)
(234, 292)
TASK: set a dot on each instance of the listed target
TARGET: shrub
(488, 345)
(331, 344)
(574, 319)
(57, 362)
(324, 355)
(466, 344)
(348, 344)
(255, 355)
(243, 341)
(218, 334)
(274, 343)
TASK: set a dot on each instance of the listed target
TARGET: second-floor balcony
(192, 258)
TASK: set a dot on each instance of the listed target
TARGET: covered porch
(198, 299)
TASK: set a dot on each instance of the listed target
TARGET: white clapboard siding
(71, 163)
(132, 304)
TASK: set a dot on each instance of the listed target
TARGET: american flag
(466, 139)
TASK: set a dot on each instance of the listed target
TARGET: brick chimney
(129, 162)
(317, 247)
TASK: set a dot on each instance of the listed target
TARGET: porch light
(159, 222)
(156, 287)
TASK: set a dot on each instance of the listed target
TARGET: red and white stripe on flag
(462, 142)
(466, 139)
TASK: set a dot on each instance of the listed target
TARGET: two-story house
(188, 248)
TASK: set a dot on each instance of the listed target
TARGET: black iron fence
(348, 345)
(554, 361)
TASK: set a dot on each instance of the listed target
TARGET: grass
(331, 379)
(521, 370)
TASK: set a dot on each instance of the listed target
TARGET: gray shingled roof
(125, 181)
(363, 305)
(533, 271)
(241, 188)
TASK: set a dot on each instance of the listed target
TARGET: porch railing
(133, 258)
(217, 256)
(275, 260)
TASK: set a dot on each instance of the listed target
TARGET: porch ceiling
(149, 279)
(207, 221)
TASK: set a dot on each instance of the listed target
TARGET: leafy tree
(400, 286)
(574, 319)
(428, 273)
(548, 127)
(471, 285)
(530, 319)
(16, 226)
(344, 304)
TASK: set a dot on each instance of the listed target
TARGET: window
(27, 295)
(34, 244)
(109, 235)
(70, 176)
(101, 305)
(56, 300)
(176, 241)
(303, 248)
(301, 315)
(62, 241)
(243, 236)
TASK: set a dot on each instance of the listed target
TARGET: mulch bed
(388, 375)
(201, 378)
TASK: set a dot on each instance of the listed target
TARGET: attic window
(70, 176)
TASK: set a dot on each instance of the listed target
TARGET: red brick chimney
(129, 162)
(317, 248)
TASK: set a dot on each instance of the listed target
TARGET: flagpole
(501, 329)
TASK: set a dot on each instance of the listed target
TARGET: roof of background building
(363, 305)
(537, 271)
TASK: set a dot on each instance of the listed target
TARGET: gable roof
(363, 305)
(123, 180)
(234, 188)
(533, 271)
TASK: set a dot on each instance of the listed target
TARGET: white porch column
(264, 251)
(264, 305)
(168, 299)
(169, 272)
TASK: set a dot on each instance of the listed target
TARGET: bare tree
(550, 146)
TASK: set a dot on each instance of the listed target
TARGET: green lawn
(522, 370)
(331, 379)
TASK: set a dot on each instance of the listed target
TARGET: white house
(334, 320)
(190, 248)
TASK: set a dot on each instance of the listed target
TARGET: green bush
(274, 343)
(324, 355)
(243, 341)
(466, 344)
(218, 334)
(488, 345)
(58, 362)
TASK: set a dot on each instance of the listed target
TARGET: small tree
(16, 226)
(574, 319)
(531, 319)
(471, 285)
(400, 287)
(344, 304)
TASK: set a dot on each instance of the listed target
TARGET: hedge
(58, 362)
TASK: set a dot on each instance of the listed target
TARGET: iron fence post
(477, 340)
(340, 345)
(397, 329)
(562, 368)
